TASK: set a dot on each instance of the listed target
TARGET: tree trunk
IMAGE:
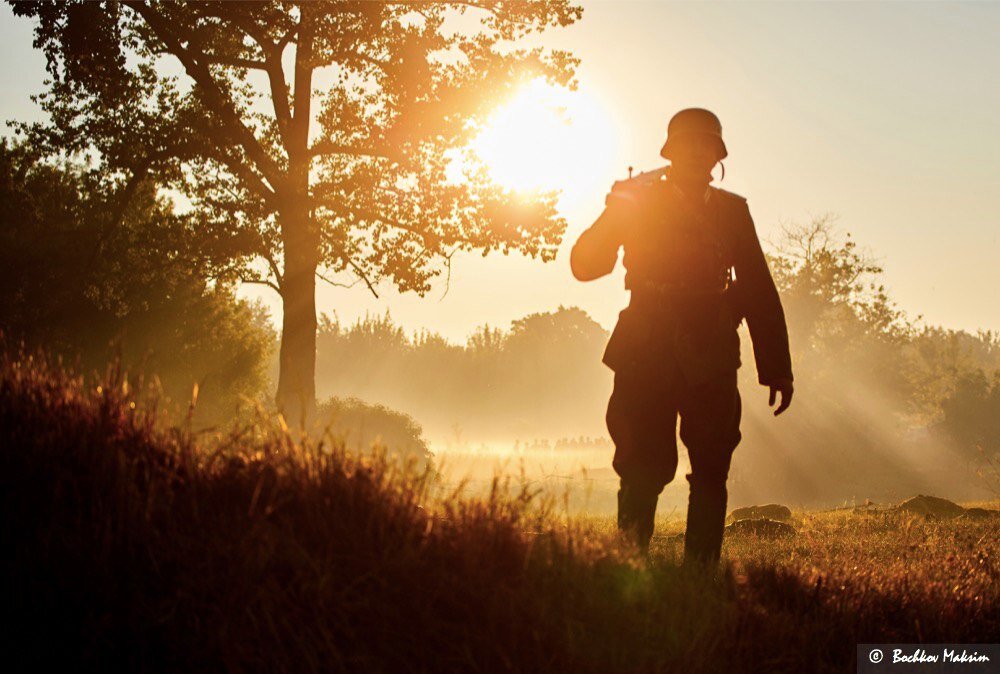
(296, 397)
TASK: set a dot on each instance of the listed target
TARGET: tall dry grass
(134, 545)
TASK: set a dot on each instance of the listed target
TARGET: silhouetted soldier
(695, 269)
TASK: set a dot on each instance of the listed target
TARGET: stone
(771, 511)
(980, 514)
(931, 507)
(763, 528)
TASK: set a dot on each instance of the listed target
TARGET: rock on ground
(771, 511)
(931, 506)
(764, 528)
(980, 514)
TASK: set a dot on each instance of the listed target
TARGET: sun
(546, 138)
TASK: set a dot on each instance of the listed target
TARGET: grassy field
(132, 545)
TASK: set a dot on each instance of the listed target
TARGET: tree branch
(302, 93)
(447, 281)
(328, 147)
(235, 17)
(279, 97)
(337, 284)
(279, 47)
(261, 281)
(274, 268)
(275, 73)
(251, 180)
(361, 274)
(122, 200)
(233, 61)
(491, 8)
(381, 65)
(212, 94)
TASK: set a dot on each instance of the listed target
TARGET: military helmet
(694, 120)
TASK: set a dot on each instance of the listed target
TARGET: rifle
(628, 188)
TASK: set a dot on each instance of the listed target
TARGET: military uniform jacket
(678, 253)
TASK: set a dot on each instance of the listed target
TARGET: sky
(883, 114)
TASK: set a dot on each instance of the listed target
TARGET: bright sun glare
(546, 138)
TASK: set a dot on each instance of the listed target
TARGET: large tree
(326, 134)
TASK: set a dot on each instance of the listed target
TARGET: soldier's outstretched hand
(785, 387)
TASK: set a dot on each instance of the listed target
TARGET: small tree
(971, 414)
(351, 180)
(824, 273)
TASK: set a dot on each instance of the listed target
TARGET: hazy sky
(886, 114)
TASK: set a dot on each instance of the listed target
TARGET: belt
(669, 291)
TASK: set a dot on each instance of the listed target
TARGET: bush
(359, 425)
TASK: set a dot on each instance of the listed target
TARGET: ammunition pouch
(631, 338)
(662, 332)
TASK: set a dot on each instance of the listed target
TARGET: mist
(885, 407)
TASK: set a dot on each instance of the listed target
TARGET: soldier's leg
(642, 422)
(710, 429)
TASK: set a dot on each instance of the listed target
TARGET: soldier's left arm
(764, 313)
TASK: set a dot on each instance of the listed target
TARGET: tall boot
(637, 514)
(706, 518)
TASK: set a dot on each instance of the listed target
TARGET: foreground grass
(129, 546)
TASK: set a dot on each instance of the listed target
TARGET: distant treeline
(882, 401)
(541, 378)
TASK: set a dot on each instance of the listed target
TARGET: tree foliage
(140, 290)
(321, 133)
(827, 277)
(971, 412)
